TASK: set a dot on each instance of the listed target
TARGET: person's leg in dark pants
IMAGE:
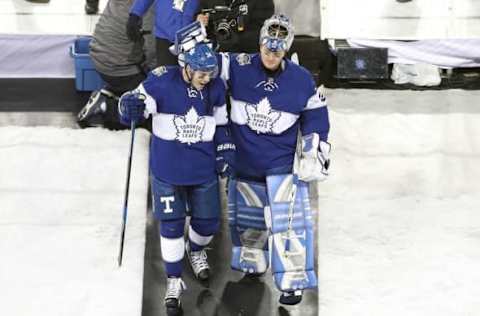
(164, 56)
(91, 6)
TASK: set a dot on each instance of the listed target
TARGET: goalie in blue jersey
(189, 120)
(273, 102)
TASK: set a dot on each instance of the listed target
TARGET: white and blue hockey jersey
(186, 125)
(267, 112)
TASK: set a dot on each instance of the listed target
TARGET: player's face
(271, 60)
(201, 78)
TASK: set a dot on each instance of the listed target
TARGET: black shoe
(38, 1)
(173, 307)
(291, 298)
(254, 275)
(91, 7)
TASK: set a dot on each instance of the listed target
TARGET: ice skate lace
(199, 260)
(175, 286)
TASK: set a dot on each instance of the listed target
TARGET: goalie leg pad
(292, 252)
(246, 202)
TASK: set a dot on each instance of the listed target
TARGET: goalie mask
(277, 33)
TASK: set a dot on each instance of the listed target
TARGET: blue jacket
(170, 15)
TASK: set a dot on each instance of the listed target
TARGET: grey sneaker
(175, 287)
(198, 262)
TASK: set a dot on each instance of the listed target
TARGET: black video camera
(225, 20)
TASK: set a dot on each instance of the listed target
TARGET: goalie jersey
(186, 125)
(267, 111)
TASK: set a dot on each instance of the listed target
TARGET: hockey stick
(127, 187)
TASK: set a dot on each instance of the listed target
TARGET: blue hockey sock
(173, 245)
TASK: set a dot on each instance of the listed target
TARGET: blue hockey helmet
(277, 33)
(201, 58)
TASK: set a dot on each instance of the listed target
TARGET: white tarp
(32, 56)
(454, 53)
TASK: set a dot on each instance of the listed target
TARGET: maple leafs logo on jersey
(179, 4)
(261, 117)
(189, 127)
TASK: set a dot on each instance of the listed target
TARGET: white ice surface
(61, 193)
(399, 220)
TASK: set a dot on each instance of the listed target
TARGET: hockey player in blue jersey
(189, 120)
(273, 101)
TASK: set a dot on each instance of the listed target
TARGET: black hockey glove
(225, 159)
(134, 28)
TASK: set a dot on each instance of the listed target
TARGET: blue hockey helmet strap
(200, 58)
(277, 33)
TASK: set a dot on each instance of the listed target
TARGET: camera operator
(223, 18)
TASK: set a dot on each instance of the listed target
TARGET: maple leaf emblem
(261, 117)
(189, 127)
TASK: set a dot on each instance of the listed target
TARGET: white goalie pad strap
(172, 249)
(260, 117)
(220, 114)
(317, 100)
(197, 238)
(249, 260)
(252, 195)
(170, 126)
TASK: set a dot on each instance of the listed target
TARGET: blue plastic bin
(86, 77)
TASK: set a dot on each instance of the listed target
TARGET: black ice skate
(291, 298)
(175, 287)
(96, 105)
(198, 262)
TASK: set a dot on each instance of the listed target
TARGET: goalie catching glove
(315, 158)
